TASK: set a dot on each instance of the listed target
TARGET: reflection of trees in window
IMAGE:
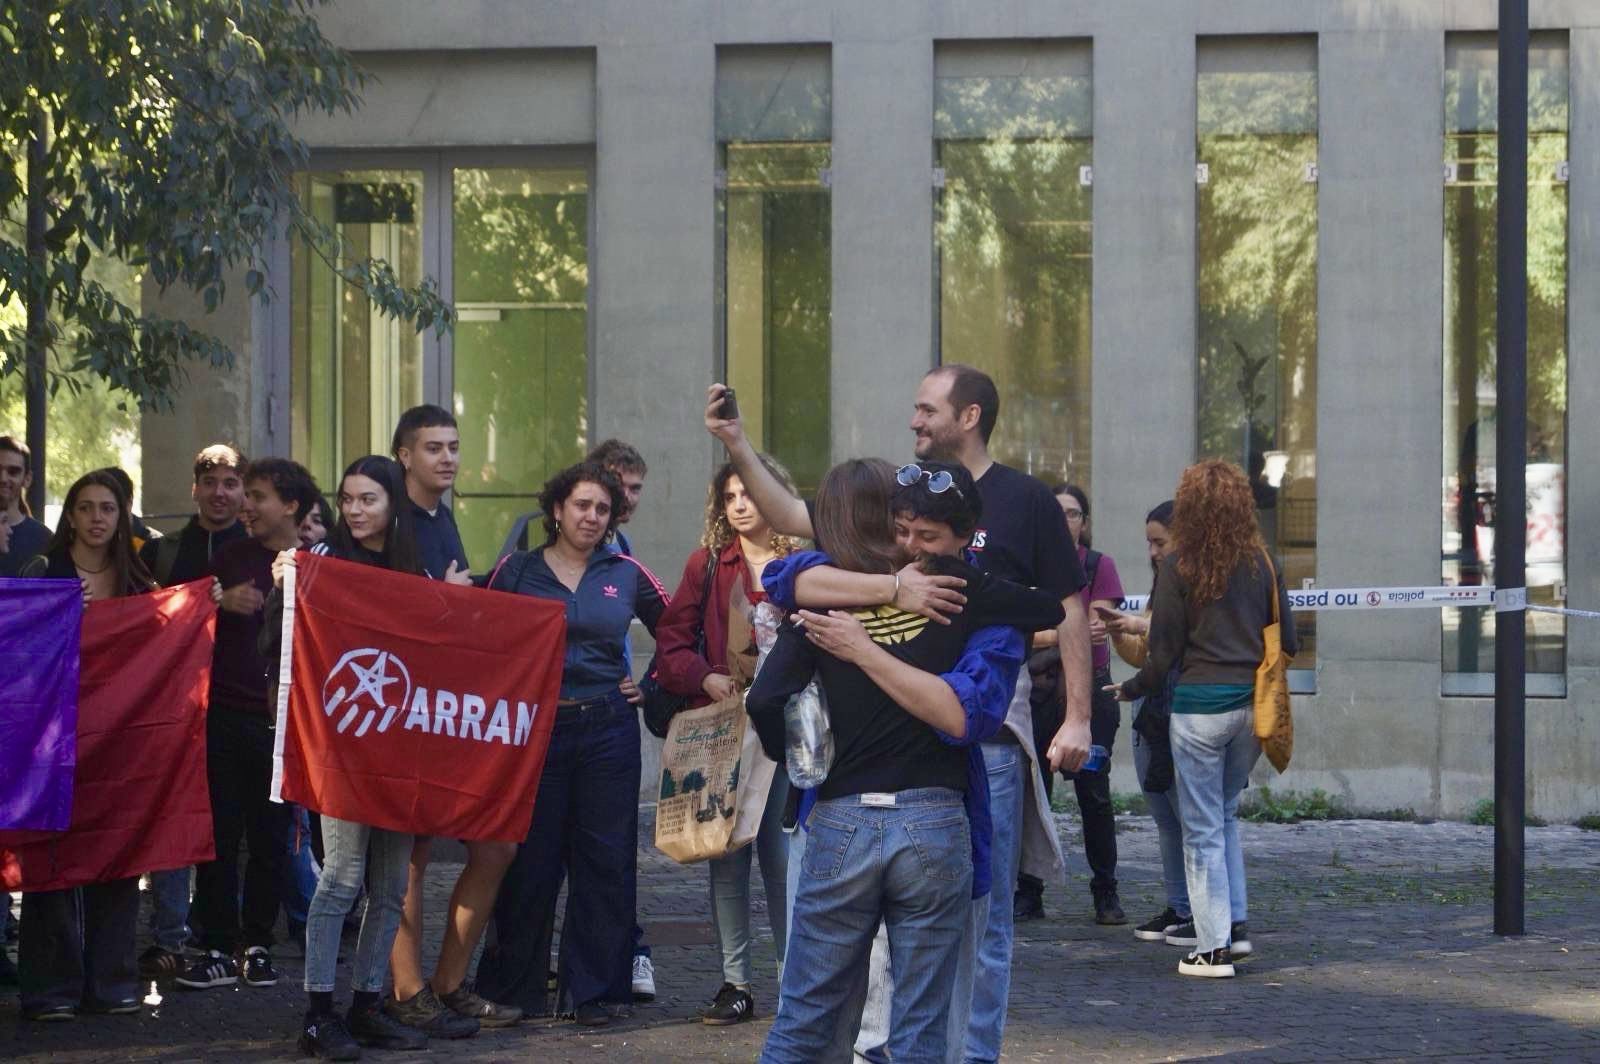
(1471, 152)
(779, 299)
(1257, 287)
(1014, 241)
(520, 269)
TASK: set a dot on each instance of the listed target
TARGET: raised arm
(786, 514)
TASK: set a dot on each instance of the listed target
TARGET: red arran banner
(412, 704)
(139, 797)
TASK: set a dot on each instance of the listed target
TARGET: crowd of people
(953, 612)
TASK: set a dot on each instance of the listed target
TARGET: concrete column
(882, 226)
(653, 276)
(1144, 272)
(1379, 293)
(1583, 341)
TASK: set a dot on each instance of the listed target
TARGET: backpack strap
(1091, 568)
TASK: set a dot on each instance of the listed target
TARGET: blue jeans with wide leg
(586, 821)
(1213, 754)
(909, 865)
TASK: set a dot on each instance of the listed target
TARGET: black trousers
(239, 772)
(1093, 790)
(77, 946)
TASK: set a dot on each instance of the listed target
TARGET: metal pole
(1511, 456)
(38, 336)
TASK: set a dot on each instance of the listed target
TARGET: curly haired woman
(734, 550)
(1212, 600)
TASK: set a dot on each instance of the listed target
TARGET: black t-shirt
(194, 547)
(438, 540)
(1023, 536)
(878, 746)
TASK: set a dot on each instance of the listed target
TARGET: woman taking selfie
(76, 953)
(692, 654)
(1213, 597)
(586, 816)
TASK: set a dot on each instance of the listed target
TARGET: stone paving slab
(1372, 939)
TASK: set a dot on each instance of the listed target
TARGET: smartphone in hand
(729, 410)
(1106, 613)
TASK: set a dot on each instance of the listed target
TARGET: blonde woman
(734, 550)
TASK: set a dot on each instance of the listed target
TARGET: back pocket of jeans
(826, 843)
(944, 846)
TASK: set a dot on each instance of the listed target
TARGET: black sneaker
(214, 969)
(52, 1014)
(1108, 910)
(373, 1027)
(258, 969)
(1240, 947)
(464, 1002)
(1217, 964)
(425, 1012)
(591, 1014)
(120, 1007)
(327, 1037)
(731, 1005)
(1183, 935)
(159, 963)
(1159, 927)
(8, 970)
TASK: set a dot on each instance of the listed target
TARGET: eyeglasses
(1073, 515)
(938, 483)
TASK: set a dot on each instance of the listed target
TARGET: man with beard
(1022, 539)
(21, 535)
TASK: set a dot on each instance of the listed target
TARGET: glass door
(520, 380)
(353, 370)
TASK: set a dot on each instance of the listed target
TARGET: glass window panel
(521, 274)
(769, 93)
(1471, 150)
(777, 218)
(353, 370)
(1257, 247)
(1014, 242)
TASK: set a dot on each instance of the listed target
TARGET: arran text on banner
(40, 621)
(411, 704)
(139, 797)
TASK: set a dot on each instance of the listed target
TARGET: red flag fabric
(139, 798)
(414, 705)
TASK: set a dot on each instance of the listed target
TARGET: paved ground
(1373, 942)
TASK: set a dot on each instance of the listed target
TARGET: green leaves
(172, 149)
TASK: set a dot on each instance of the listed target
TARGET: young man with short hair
(427, 444)
(22, 537)
(237, 937)
(218, 494)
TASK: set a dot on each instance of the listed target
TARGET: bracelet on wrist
(895, 594)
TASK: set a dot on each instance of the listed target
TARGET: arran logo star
(359, 684)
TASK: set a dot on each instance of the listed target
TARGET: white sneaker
(644, 978)
(1217, 964)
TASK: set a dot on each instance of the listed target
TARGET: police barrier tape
(1385, 598)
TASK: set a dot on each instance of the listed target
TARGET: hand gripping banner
(139, 797)
(411, 704)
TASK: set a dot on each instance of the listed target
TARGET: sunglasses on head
(938, 482)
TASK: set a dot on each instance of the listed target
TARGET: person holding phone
(1093, 788)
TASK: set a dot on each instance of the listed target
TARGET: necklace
(91, 572)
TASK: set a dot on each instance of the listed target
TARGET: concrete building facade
(634, 129)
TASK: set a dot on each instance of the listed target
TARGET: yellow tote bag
(1273, 724)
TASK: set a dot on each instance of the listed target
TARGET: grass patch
(1482, 815)
(1405, 816)
(1590, 822)
(1265, 806)
(1130, 804)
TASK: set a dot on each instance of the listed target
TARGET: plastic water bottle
(1098, 758)
(808, 737)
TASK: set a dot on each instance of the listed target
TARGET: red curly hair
(1214, 522)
